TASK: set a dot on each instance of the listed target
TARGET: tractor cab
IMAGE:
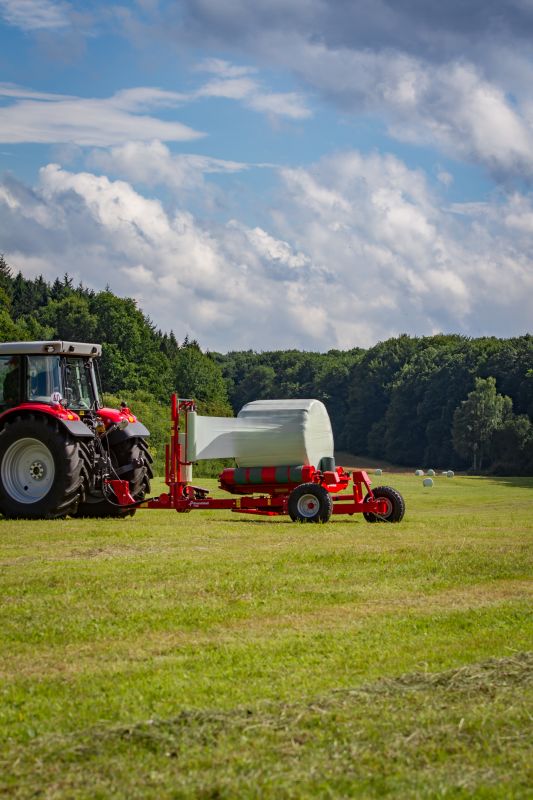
(50, 373)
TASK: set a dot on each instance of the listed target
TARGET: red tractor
(59, 447)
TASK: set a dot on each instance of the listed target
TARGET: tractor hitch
(121, 490)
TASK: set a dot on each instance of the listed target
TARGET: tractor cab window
(9, 380)
(79, 392)
(44, 378)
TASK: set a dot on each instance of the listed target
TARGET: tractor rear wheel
(310, 502)
(131, 462)
(394, 502)
(40, 469)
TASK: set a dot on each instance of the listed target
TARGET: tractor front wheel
(310, 502)
(131, 462)
(394, 502)
(40, 469)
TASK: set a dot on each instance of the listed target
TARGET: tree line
(444, 401)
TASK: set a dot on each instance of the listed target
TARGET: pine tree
(6, 276)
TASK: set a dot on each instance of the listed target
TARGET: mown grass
(216, 655)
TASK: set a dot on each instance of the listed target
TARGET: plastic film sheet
(265, 433)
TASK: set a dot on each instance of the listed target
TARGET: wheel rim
(27, 471)
(308, 506)
(388, 503)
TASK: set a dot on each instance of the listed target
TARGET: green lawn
(215, 655)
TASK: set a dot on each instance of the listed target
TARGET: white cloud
(400, 261)
(8, 199)
(467, 115)
(358, 249)
(143, 97)
(435, 75)
(19, 92)
(235, 83)
(451, 106)
(109, 233)
(42, 117)
(228, 88)
(90, 122)
(280, 104)
(445, 177)
(275, 251)
(225, 69)
(519, 214)
(152, 164)
(33, 15)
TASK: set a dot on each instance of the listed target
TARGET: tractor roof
(54, 348)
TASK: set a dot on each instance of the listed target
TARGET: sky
(308, 174)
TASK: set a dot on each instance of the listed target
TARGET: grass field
(212, 655)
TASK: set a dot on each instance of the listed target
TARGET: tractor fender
(77, 428)
(74, 426)
(133, 430)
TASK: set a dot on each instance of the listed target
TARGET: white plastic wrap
(265, 433)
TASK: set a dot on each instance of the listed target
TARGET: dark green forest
(444, 401)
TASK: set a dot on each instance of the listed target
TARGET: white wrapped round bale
(265, 433)
(281, 432)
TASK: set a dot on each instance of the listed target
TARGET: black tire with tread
(396, 505)
(325, 503)
(122, 454)
(64, 495)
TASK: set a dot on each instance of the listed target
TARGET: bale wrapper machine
(285, 466)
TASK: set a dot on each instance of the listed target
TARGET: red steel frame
(183, 496)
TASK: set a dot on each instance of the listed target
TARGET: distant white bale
(445, 472)
(450, 473)
(378, 471)
(427, 482)
(419, 473)
(431, 472)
